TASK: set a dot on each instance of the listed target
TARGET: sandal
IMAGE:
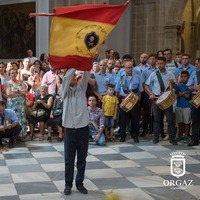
(59, 139)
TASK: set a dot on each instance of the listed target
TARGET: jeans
(94, 132)
(75, 141)
(11, 133)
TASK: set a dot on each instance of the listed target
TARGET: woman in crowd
(3, 75)
(41, 111)
(25, 72)
(16, 100)
(35, 81)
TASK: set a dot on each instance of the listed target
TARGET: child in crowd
(183, 111)
(109, 107)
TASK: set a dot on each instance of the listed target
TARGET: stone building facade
(146, 26)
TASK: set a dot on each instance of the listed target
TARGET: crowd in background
(32, 88)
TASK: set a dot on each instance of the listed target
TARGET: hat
(44, 85)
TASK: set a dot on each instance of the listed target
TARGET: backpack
(57, 106)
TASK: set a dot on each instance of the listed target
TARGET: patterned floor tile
(166, 193)
(147, 181)
(7, 190)
(101, 173)
(133, 171)
(30, 177)
(108, 157)
(121, 164)
(35, 188)
(27, 161)
(113, 183)
(138, 155)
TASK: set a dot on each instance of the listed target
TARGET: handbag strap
(160, 80)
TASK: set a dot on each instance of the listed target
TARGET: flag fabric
(77, 32)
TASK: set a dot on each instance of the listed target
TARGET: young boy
(109, 107)
(183, 111)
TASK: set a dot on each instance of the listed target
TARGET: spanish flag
(77, 32)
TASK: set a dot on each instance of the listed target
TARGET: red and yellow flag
(78, 31)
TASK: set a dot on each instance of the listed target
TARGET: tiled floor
(35, 170)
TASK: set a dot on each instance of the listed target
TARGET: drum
(166, 100)
(195, 101)
(129, 102)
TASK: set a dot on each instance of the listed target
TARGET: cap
(44, 86)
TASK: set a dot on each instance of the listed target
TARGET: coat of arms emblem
(177, 164)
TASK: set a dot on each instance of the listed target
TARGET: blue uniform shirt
(153, 82)
(193, 79)
(9, 116)
(102, 81)
(146, 73)
(178, 70)
(123, 72)
(182, 102)
(132, 83)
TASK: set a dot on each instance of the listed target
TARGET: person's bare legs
(41, 129)
(49, 128)
(60, 131)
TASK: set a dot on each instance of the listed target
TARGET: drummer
(127, 82)
(194, 85)
(156, 84)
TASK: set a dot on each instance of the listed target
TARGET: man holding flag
(76, 33)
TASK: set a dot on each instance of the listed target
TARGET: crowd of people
(32, 88)
(89, 105)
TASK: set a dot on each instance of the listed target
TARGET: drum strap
(198, 77)
(160, 80)
(124, 84)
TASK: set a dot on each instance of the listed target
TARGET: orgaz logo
(177, 169)
(177, 164)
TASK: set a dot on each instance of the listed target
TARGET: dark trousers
(133, 117)
(11, 133)
(158, 115)
(195, 123)
(145, 105)
(75, 140)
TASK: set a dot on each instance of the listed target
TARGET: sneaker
(186, 140)
(193, 143)
(82, 189)
(67, 190)
(180, 138)
(166, 137)
(116, 131)
(155, 141)
(123, 139)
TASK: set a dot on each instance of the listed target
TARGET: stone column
(42, 28)
(170, 37)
